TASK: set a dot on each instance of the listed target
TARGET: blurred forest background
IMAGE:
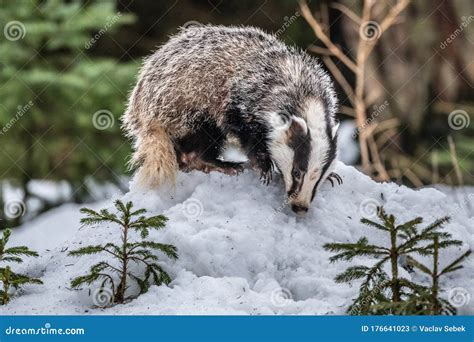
(404, 72)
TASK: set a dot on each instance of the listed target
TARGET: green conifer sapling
(11, 280)
(139, 252)
(382, 293)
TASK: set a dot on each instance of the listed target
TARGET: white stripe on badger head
(315, 115)
(281, 154)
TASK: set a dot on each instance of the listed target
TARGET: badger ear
(297, 127)
(335, 128)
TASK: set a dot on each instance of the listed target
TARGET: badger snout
(299, 209)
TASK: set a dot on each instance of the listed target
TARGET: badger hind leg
(200, 150)
(154, 158)
(192, 161)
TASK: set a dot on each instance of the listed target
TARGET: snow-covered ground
(239, 252)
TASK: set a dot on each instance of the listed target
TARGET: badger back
(193, 74)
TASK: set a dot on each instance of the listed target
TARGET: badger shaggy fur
(211, 84)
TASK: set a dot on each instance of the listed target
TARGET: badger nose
(299, 209)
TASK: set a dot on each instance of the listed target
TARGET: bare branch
(340, 78)
(320, 50)
(349, 13)
(347, 111)
(454, 160)
(319, 32)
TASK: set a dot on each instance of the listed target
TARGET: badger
(208, 85)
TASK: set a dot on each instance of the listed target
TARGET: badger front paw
(266, 176)
(336, 177)
(265, 165)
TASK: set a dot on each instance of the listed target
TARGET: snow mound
(240, 250)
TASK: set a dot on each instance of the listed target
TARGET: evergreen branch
(446, 244)
(20, 250)
(156, 222)
(21, 279)
(373, 224)
(375, 274)
(138, 212)
(170, 250)
(412, 262)
(87, 250)
(453, 266)
(410, 227)
(352, 250)
(160, 276)
(12, 259)
(125, 209)
(145, 254)
(5, 238)
(116, 251)
(352, 273)
(436, 224)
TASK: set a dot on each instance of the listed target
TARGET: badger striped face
(304, 150)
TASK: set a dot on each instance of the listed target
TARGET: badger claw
(266, 177)
(336, 177)
(262, 162)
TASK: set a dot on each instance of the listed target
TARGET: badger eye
(296, 173)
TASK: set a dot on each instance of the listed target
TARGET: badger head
(303, 149)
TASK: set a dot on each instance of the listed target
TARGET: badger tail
(154, 158)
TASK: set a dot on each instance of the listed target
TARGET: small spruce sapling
(139, 252)
(382, 293)
(426, 299)
(11, 280)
